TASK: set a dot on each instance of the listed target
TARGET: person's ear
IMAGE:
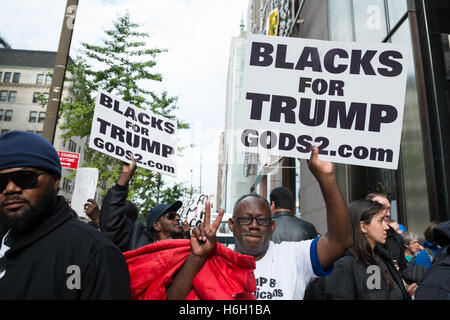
(56, 185)
(157, 226)
(272, 206)
(230, 224)
(363, 227)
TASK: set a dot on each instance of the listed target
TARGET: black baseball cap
(158, 210)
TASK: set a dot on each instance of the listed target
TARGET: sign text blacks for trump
(345, 97)
(120, 130)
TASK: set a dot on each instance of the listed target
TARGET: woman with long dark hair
(366, 272)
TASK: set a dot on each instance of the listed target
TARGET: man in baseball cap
(164, 221)
(46, 253)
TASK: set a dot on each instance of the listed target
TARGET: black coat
(436, 284)
(126, 234)
(63, 258)
(349, 279)
(396, 247)
(290, 228)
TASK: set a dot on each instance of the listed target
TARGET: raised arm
(203, 243)
(338, 238)
(113, 221)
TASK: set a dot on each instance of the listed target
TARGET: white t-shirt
(286, 270)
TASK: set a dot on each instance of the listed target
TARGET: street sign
(69, 160)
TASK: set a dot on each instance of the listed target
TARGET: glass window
(412, 159)
(396, 10)
(341, 20)
(40, 78)
(7, 77)
(12, 96)
(1, 73)
(41, 117)
(16, 77)
(33, 116)
(39, 132)
(1, 114)
(8, 115)
(4, 131)
(35, 97)
(3, 95)
(45, 95)
(370, 20)
(48, 79)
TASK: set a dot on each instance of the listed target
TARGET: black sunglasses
(262, 221)
(172, 215)
(24, 179)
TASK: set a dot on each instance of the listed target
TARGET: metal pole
(59, 71)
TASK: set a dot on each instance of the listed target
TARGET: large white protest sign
(120, 130)
(85, 185)
(193, 209)
(345, 97)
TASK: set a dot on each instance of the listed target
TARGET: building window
(3, 95)
(48, 79)
(12, 96)
(41, 117)
(16, 77)
(39, 132)
(33, 116)
(45, 95)
(35, 97)
(1, 114)
(40, 78)
(8, 115)
(72, 146)
(7, 77)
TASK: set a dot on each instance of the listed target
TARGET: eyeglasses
(387, 208)
(24, 179)
(172, 215)
(262, 221)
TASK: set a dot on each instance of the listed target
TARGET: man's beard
(30, 219)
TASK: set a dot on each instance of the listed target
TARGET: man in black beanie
(45, 253)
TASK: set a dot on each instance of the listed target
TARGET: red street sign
(69, 159)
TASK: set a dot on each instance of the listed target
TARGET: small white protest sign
(345, 97)
(85, 185)
(120, 130)
(193, 209)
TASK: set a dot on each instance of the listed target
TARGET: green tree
(119, 65)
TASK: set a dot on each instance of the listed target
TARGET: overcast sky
(197, 34)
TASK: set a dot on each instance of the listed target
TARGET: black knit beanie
(26, 149)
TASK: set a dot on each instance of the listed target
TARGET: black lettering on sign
(261, 54)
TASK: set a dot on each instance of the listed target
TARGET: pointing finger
(218, 220)
(207, 213)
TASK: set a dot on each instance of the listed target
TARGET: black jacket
(63, 258)
(349, 281)
(436, 284)
(290, 228)
(396, 246)
(126, 234)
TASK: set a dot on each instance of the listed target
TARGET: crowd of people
(47, 253)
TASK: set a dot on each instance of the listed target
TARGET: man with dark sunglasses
(45, 253)
(282, 270)
(162, 220)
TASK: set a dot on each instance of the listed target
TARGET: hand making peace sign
(203, 237)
